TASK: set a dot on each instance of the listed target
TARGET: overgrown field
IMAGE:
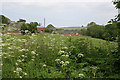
(57, 56)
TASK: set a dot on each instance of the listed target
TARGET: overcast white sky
(60, 13)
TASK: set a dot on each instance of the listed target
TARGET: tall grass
(57, 56)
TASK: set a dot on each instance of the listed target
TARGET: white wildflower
(19, 60)
(23, 60)
(26, 31)
(61, 52)
(19, 69)
(67, 55)
(24, 73)
(67, 62)
(81, 75)
(9, 48)
(44, 65)
(64, 47)
(20, 76)
(14, 71)
(32, 59)
(57, 60)
(23, 55)
(16, 63)
(33, 56)
(5, 57)
(62, 62)
(33, 52)
(72, 46)
(63, 55)
(80, 55)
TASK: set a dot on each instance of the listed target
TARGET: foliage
(21, 20)
(57, 56)
(23, 28)
(50, 28)
(107, 32)
(32, 27)
(4, 19)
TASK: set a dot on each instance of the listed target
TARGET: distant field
(72, 28)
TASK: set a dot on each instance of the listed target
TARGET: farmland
(57, 56)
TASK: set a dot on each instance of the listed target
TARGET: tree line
(107, 32)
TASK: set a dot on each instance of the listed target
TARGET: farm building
(40, 29)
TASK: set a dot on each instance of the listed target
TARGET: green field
(57, 56)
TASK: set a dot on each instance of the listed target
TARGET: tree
(4, 20)
(32, 27)
(117, 5)
(50, 28)
(21, 20)
(117, 56)
(23, 28)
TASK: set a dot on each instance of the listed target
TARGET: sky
(60, 13)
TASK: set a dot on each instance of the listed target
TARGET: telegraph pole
(44, 22)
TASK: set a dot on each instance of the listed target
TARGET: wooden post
(44, 22)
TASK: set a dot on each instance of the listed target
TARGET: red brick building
(40, 29)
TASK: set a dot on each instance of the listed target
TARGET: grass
(26, 56)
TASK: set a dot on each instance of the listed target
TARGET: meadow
(57, 56)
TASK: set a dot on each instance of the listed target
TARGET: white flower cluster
(72, 46)
(33, 52)
(64, 63)
(81, 75)
(44, 65)
(65, 55)
(26, 31)
(64, 47)
(23, 50)
(80, 55)
(57, 60)
(61, 52)
(18, 71)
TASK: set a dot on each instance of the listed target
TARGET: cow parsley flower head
(80, 55)
(61, 52)
(26, 31)
(44, 65)
(64, 47)
(62, 62)
(20, 76)
(19, 69)
(33, 52)
(57, 60)
(16, 63)
(67, 62)
(24, 73)
(81, 75)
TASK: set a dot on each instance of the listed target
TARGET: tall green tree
(117, 62)
(21, 20)
(4, 20)
(23, 28)
(32, 27)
